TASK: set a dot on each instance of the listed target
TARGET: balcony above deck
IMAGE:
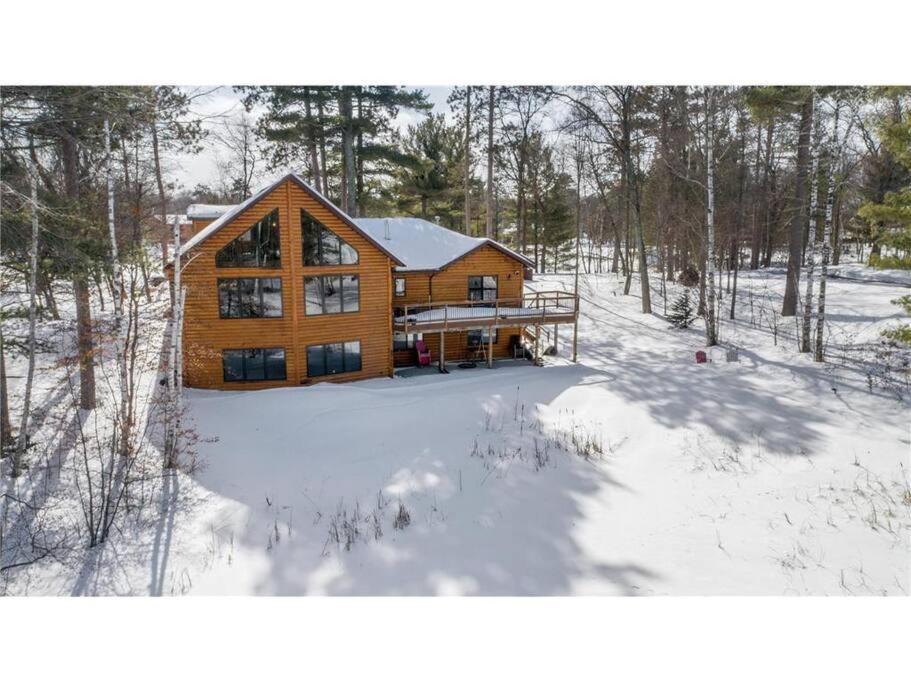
(537, 308)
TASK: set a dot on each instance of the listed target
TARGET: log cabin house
(287, 289)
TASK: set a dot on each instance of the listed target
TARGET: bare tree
(238, 138)
(22, 442)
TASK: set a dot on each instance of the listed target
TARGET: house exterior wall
(451, 284)
(206, 334)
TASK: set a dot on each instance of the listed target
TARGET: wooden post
(490, 347)
(442, 351)
(556, 350)
(575, 328)
(537, 337)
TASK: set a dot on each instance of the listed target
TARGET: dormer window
(258, 247)
(322, 247)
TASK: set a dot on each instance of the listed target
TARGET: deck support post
(575, 328)
(442, 351)
(490, 347)
(537, 338)
(556, 349)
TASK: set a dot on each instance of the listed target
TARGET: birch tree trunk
(711, 333)
(811, 235)
(819, 355)
(162, 200)
(174, 372)
(489, 198)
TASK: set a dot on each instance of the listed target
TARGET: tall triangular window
(322, 247)
(258, 247)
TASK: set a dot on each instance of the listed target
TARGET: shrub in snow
(689, 277)
(402, 517)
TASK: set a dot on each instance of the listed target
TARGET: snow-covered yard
(633, 472)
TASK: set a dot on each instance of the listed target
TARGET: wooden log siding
(451, 284)
(206, 334)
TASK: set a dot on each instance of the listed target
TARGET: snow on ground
(633, 472)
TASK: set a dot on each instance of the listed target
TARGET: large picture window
(331, 294)
(322, 247)
(258, 247)
(251, 365)
(482, 287)
(332, 359)
(249, 297)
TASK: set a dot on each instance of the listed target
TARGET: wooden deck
(538, 308)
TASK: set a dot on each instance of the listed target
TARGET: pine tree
(682, 312)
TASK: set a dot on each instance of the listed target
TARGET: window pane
(257, 247)
(227, 298)
(332, 294)
(311, 240)
(350, 293)
(248, 298)
(335, 359)
(349, 254)
(316, 361)
(271, 290)
(331, 248)
(352, 356)
(268, 248)
(245, 246)
(275, 364)
(399, 341)
(313, 298)
(232, 365)
(474, 282)
(400, 286)
(254, 366)
(490, 281)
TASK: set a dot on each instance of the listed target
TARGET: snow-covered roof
(208, 211)
(422, 245)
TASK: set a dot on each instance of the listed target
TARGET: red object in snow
(423, 353)
(701, 357)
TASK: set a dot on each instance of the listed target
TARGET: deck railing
(533, 308)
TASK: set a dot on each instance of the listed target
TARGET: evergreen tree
(682, 313)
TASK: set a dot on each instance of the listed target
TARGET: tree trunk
(811, 239)
(311, 144)
(819, 355)
(711, 333)
(795, 238)
(349, 171)
(6, 427)
(124, 417)
(468, 160)
(162, 199)
(489, 198)
(22, 442)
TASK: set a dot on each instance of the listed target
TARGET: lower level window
(332, 359)
(403, 342)
(478, 337)
(250, 365)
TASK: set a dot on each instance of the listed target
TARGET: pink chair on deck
(423, 353)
